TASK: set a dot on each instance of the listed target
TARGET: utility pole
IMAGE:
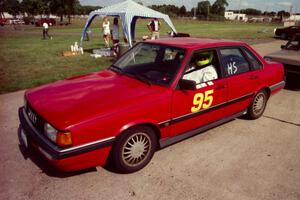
(291, 9)
(195, 13)
(207, 17)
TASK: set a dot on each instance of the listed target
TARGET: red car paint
(102, 105)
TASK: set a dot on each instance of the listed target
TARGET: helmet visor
(204, 58)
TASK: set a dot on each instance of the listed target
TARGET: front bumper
(68, 159)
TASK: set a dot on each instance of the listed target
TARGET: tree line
(73, 7)
(45, 7)
(204, 9)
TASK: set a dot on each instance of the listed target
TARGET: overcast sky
(264, 5)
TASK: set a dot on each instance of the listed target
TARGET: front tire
(258, 105)
(134, 149)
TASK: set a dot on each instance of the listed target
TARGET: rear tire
(258, 105)
(134, 149)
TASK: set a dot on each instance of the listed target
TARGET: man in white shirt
(201, 70)
(45, 31)
(154, 27)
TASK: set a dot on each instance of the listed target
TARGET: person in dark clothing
(154, 27)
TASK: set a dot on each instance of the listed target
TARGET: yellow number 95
(202, 100)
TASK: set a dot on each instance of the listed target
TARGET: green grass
(27, 61)
(196, 28)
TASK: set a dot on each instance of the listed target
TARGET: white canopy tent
(128, 11)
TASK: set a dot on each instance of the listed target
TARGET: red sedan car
(156, 94)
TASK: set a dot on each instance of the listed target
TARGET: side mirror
(282, 46)
(187, 84)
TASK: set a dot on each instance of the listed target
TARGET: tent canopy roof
(128, 11)
(132, 8)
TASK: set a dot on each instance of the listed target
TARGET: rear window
(256, 64)
(234, 62)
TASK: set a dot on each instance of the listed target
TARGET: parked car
(16, 21)
(29, 20)
(146, 100)
(3, 22)
(286, 32)
(50, 21)
(289, 56)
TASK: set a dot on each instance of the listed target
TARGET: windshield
(151, 63)
(293, 44)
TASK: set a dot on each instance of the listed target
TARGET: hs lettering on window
(231, 68)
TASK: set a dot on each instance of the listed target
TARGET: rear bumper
(68, 159)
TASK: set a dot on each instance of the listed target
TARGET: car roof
(194, 43)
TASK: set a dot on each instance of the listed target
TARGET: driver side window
(203, 67)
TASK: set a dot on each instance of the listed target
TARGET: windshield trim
(150, 43)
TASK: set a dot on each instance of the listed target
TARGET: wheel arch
(265, 88)
(153, 126)
(251, 113)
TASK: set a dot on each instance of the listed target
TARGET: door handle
(220, 87)
(253, 77)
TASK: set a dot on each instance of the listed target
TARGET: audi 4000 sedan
(158, 93)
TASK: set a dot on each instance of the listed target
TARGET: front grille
(36, 120)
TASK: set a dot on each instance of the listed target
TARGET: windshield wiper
(135, 75)
(116, 69)
(142, 78)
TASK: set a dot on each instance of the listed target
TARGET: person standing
(45, 31)
(115, 36)
(154, 27)
(106, 31)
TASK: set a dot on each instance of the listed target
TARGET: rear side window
(234, 62)
(256, 64)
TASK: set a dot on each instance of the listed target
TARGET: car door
(241, 76)
(194, 108)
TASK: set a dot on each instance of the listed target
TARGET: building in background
(294, 17)
(293, 20)
(230, 15)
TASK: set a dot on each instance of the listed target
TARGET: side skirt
(171, 140)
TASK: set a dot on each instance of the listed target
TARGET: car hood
(290, 57)
(71, 101)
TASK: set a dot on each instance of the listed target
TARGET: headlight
(275, 30)
(50, 132)
(62, 139)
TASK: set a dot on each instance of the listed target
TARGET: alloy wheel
(136, 149)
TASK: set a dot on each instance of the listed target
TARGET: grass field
(27, 61)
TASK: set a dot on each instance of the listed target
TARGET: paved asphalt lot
(241, 159)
